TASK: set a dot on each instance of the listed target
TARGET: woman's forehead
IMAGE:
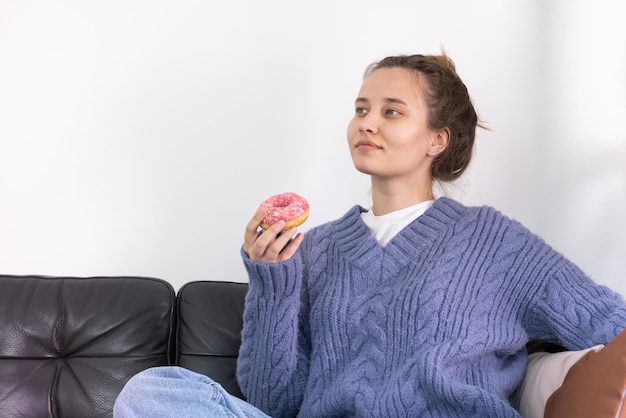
(395, 82)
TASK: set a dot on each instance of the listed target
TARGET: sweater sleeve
(273, 358)
(569, 308)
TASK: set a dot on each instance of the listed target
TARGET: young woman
(414, 307)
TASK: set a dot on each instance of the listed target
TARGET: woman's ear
(439, 141)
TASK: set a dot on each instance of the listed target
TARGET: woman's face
(389, 135)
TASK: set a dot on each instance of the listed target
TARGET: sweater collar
(354, 239)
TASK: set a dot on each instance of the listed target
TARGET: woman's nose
(369, 124)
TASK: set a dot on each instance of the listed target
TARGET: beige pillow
(544, 375)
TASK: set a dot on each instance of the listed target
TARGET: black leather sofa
(68, 345)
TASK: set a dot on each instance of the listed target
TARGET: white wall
(138, 137)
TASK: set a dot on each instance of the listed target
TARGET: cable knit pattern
(432, 325)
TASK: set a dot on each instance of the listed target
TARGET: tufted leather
(68, 345)
(210, 317)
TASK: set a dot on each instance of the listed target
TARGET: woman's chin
(364, 169)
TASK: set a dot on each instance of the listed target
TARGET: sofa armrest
(68, 345)
(210, 319)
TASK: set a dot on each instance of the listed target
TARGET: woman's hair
(449, 107)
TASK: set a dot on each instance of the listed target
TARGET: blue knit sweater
(432, 325)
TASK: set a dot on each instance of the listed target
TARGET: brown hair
(449, 107)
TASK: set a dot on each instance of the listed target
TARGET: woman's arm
(274, 357)
(578, 311)
(565, 305)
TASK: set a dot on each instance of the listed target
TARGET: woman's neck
(388, 197)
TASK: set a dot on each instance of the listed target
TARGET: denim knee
(173, 391)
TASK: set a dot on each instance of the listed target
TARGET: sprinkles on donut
(289, 207)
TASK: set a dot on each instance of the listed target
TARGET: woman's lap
(177, 392)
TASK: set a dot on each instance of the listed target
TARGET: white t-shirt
(385, 227)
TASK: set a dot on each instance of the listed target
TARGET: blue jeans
(173, 391)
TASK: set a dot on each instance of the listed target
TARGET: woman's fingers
(271, 245)
(264, 241)
(275, 242)
(290, 249)
(252, 228)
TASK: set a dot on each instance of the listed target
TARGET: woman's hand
(273, 245)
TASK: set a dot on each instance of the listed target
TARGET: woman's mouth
(365, 145)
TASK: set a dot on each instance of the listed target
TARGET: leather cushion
(594, 386)
(210, 319)
(68, 345)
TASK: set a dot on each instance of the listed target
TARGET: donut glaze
(289, 207)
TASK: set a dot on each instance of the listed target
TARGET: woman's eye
(361, 111)
(391, 112)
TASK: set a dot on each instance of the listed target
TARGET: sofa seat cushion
(68, 345)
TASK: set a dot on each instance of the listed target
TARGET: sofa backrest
(210, 318)
(68, 345)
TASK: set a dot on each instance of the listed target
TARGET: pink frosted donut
(289, 207)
